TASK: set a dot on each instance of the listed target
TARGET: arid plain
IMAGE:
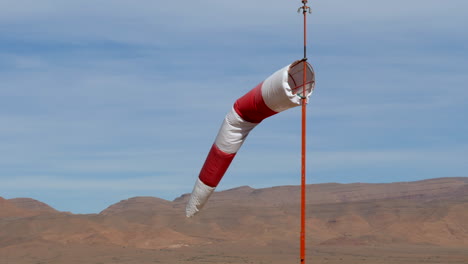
(407, 222)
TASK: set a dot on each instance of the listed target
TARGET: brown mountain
(7, 209)
(424, 215)
(138, 204)
(342, 193)
(32, 205)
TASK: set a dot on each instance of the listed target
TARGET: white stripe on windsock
(200, 194)
(233, 132)
(277, 90)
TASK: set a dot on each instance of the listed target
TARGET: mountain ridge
(321, 193)
(410, 214)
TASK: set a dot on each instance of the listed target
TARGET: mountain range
(362, 222)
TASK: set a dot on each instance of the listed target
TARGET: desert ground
(406, 222)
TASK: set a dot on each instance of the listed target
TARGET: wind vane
(289, 87)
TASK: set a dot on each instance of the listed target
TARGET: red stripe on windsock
(251, 107)
(215, 166)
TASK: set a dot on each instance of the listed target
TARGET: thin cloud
(155, 184)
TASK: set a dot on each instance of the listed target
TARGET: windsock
(279, 92)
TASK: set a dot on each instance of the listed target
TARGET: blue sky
(104, 100)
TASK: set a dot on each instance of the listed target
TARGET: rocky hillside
(430, 212)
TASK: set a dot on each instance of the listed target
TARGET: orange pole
(303, 143)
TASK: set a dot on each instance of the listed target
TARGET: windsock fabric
(279, 92)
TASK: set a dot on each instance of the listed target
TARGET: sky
(104, 100)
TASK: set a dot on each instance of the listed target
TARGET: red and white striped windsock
(279, 92)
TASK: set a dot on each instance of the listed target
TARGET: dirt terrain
(408, 222)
